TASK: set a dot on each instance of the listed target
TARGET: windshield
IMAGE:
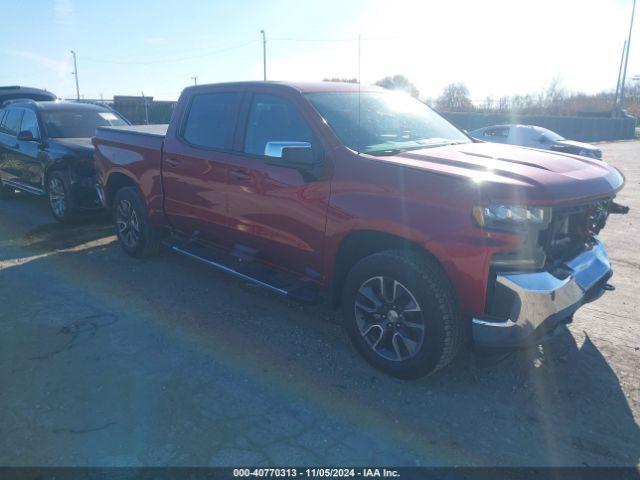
(78, 123)
(388, 122)
(549, 135)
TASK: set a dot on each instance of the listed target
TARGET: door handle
(172, 162)
(239, 174)
(16, 146)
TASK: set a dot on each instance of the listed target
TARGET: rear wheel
(401, 313)
(61, 201)
(135, 232)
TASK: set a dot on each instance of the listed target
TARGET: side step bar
(253, 272)
(24, 188)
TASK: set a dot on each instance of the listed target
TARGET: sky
(495, 47)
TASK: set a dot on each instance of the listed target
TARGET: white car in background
(535, 137)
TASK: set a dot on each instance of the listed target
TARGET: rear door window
(211, 120)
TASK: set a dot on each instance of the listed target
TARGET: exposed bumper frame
(101, 195)
(537, 302)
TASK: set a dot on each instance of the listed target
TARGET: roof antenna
(359, 83)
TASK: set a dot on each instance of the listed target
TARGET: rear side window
(11, 121)
(273, 119)
(211, 120)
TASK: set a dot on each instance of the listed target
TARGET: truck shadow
(51, 236)
(59, 236)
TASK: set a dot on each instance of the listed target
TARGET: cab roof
(302, 87)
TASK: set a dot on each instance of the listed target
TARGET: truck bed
(136, 152)
(143, 136)
(155, 130)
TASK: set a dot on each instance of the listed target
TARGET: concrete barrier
(585, 129)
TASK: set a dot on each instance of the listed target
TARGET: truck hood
(496, 172)
(81, 146)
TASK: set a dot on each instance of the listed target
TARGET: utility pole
(146, 108)
(359, 56)
(615, 100)
(264, 54)
(626, 60)
(195, 79)
(75, 74)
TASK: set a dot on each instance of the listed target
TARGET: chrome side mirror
(289, 153)
(26, 136)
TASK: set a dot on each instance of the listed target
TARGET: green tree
(454, 98)
(399, 82)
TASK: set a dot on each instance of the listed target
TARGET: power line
(345, 39)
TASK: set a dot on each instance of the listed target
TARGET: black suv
(45, 149)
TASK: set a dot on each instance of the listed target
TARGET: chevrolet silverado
(370, 200)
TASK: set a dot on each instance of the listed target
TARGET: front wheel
(61, 200)
(401, 313)
(135, 232)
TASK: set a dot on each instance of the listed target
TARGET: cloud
(63, 12)
(62, 68)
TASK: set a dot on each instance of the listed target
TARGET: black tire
(418, 279)
(61, 200)
(6, 191)
(137, 236)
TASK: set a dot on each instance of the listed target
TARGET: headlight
(511, 217)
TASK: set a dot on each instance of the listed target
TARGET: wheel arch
(61, 165)
(115, 181)
(359, 244)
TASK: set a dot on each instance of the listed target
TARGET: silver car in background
(535, 137)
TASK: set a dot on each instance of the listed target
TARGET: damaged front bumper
(525, 306)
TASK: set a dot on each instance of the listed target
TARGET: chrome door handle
(172, 162)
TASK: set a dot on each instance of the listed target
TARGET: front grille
(571, 228)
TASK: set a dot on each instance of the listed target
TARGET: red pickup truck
(370, 200)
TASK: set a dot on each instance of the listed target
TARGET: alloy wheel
(127, 224)
(57, 197)
(389, 318)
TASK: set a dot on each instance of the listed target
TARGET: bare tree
(341, 80)
(554, 96)
(487, 104)
(503, 104)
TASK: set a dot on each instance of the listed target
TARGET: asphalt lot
(106, 360)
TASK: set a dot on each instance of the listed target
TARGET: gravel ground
(106, 360)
